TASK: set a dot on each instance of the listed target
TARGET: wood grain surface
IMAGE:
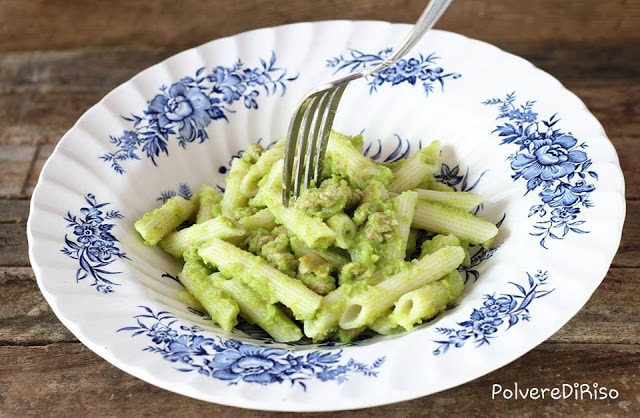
(60, 57)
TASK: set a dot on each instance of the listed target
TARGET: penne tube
(263, 219)
(345, 159)
(405, 206)
(233, 198)
(422, 304)
(209, 203)
(464, 200)
(344, 229)
(177, 242)
(416, 169)
(194, 276)
(273, 285)
(255, 309)
(160, 222)
(366, 307)
(255, 173)
(310, 229)
(325, 321)
(443, 219)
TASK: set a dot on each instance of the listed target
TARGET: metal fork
(311, 123)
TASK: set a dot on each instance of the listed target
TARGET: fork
(311, 123)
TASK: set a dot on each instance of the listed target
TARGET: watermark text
(576, 391)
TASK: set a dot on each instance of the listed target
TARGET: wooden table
(58, 58)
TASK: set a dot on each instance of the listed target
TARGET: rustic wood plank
(16, 161)
(40, 117)
(192, 22)
(628, 254)
(79, 70)
(13, 245)
(611, 315)
(25, 316)
(579, 62)
(43, 153)
(84, 385)
(14, 210)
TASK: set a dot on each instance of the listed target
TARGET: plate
(511, 132)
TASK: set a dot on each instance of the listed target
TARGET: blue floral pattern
(552, 162)
(235, 362)
(185, 109)
(93, 245)
(417, 70)
(497, 314)
(183, 190)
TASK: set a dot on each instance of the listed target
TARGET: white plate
(510, 132)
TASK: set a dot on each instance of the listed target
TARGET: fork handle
(427, 19)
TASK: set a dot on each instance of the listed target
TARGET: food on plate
(372, 247)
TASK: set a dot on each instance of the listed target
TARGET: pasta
(343, 259)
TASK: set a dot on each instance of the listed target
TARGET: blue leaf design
(415, 70)
(495, 315)
(551, 161)
(93, 246)
(235, 362)
(187, 107)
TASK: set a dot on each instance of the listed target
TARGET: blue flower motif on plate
(92, 244)
(497, 314)
(235, 362)
(183, 190)
(186, 108)
(553, 163)
(420, 70)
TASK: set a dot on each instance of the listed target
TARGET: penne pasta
(372, 247)
(255, 309)
(273, 285)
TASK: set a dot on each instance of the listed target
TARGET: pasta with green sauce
(342, 259)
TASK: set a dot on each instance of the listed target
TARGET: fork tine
(316, 138)
(329, 106)
(302, 140)
(307, 140)
(290, 150)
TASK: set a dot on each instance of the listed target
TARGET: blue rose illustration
(550, 160)
(185, 107)
(547, 159)
(431, 74)
(235, 362)
(407, 70)
(495, 314)
(250, 364)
